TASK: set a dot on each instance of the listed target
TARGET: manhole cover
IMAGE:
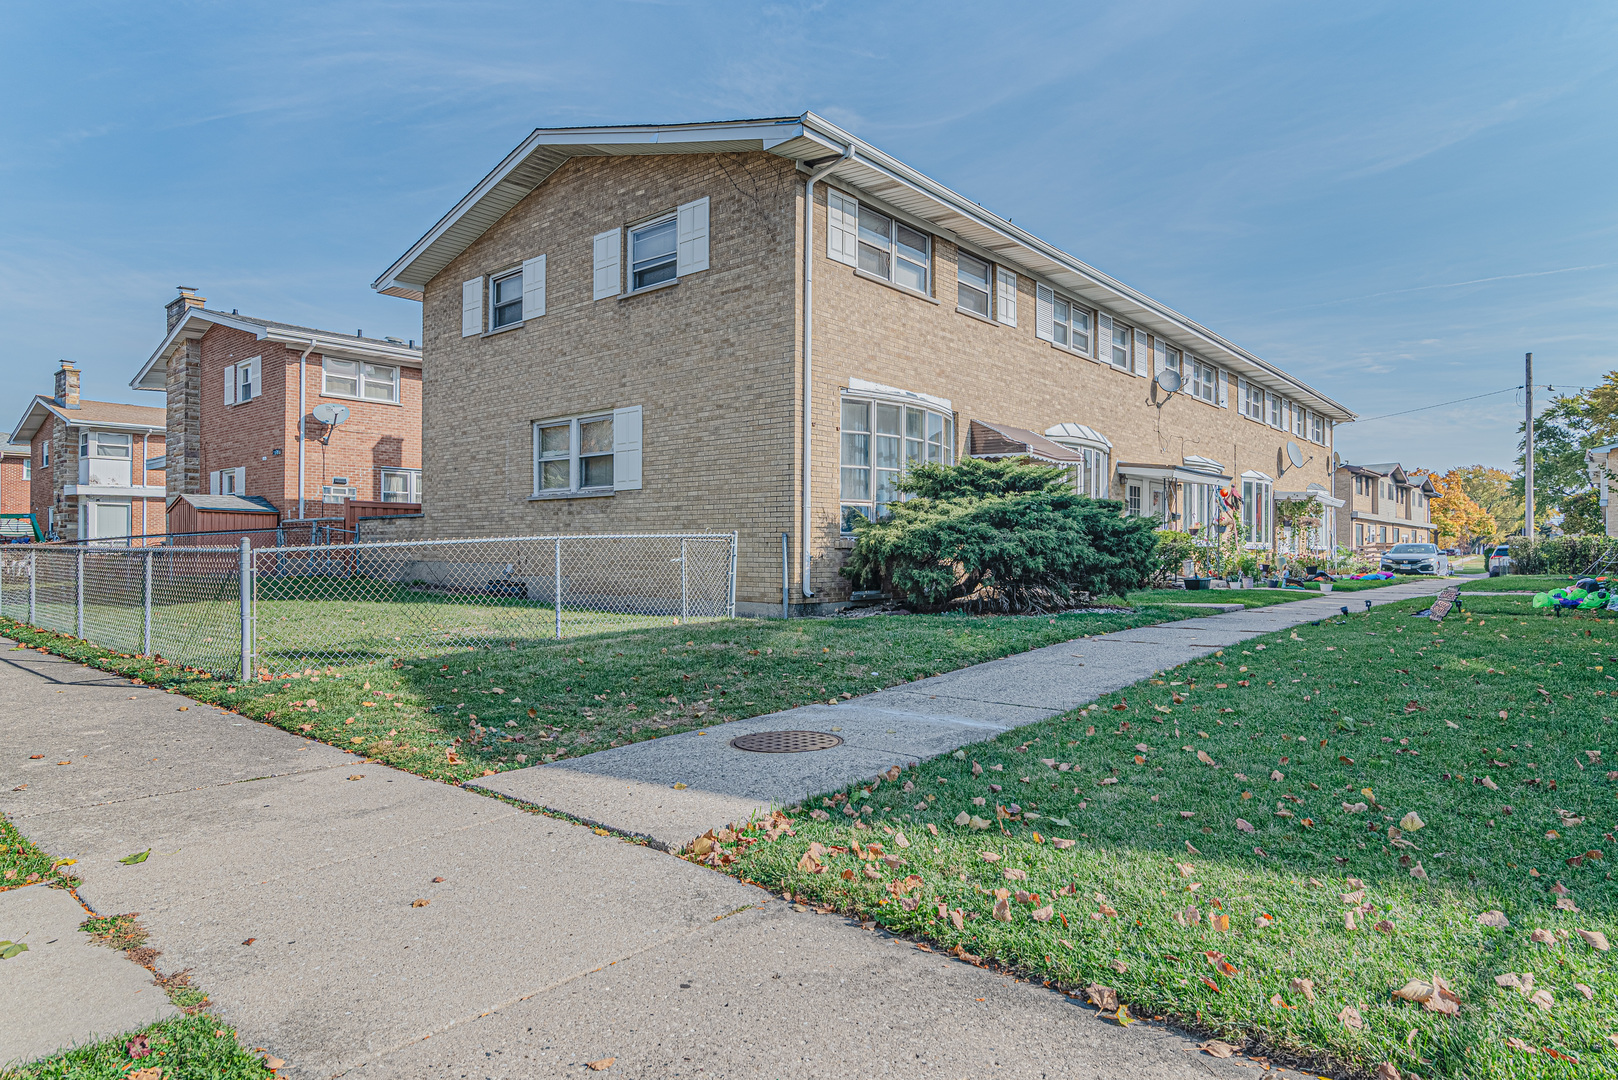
(785, 742)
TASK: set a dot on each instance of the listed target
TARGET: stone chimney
(177, 307)
(67, 386)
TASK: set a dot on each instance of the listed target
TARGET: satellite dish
(1170, 380)
(1294, 454)
(327, 413)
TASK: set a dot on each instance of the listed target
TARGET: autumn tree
(1459, 519)
(1493, 490)
(1571, 425)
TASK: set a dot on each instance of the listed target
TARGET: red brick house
(16, 475)
(241, 421)
(94, 468)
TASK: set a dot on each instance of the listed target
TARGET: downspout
(809, 354)
(143, 452)
(301, 413)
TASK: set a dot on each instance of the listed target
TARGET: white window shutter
(533, 287)
(230, 385)
(607, 249)
(691, 236)
(1005, 307)
(1160, 356)
(626, 448)
(472, 307)
(213, 482)
(1044, 313)
(1224, 388)
(1104, 338)
(255, 370)
(1140, 353)
(241, 480)
(1241, 395)
(842, 228)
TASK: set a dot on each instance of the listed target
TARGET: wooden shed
(222, 519)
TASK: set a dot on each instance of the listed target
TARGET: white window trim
(412, 486)
(626, 453)
(987, 291)
(928, 283)
(873, 395)
(45, 453)
(629, 232)
(494, 281)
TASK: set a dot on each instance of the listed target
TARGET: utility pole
(1528, 456)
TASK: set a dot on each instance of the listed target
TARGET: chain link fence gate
(239, 612)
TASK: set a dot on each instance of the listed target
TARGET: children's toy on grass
(1575, 597)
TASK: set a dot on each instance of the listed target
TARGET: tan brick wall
(714, 361)
(709, 360)
(261, 434)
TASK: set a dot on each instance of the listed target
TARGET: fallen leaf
(1387, 1070)
(273, 1063)
(1543, 999)
(1244, 826)
(1350, 1016)
(1220, 922)
(1589, 994)
(138, 857)
(1517, 1044)
(1117, 965)
(1595, 939)
(1104, 998)
(1411, 822)
(1123, 1017)
(1384, 926)
(1002, 910)
(1306, 987)
(991, 856)
(420, 902)
(1059, 842)
(1494, 918)
(1215, 1048)
(1565, 903)
(1043, 914)
(1202, 756)
(601, 1066)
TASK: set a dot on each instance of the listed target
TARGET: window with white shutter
(1141, 363)
(692, 232)
(230, 385)
(1005, 307)
(626, 448)
(1224, 390)
(472, 307)
(1044, 313)
(607, 251)
(842, 228)
(533, 287)
(213, 482)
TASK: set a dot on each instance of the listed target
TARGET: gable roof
(237, 504)
(810, 138)
(153, 375)
(101, 414)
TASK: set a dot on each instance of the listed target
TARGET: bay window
(878, 441)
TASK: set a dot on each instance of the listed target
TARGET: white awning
(1078, 433)
(1202, 464)
(1175, 473)
(1305, 496)
(1254, 474)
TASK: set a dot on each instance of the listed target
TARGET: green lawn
(194, 1047)
(23, 863)
(1520, 583)
(468, 712)
(1132, 849)
(1246, 597)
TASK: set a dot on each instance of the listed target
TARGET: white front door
(109, 519)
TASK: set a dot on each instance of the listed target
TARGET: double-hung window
(653, 254)
(354, 379)
(1275, 412)
(1120, 356)
(974, 276)
(1252, 401)
(573, 454)
(1317, 428)
(45, 453)
(1300, 422)
(1203, 380)
(893, 251)
(1168, 358)
(401, 485)
(1070, 325)
(28, 467)
(505, 300)
(879, 441)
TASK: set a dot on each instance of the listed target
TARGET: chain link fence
(233, 611)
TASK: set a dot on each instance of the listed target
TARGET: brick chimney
(177, 307)
(67, 386)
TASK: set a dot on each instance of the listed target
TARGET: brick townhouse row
(757, 325)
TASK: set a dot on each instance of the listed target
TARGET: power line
(1440, 405)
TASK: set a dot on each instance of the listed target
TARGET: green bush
(1173, 549)
(1001, 536)
(1556, 554)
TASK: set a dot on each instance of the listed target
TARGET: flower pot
(1247, 582)
(1198, 582)
(1325, 587)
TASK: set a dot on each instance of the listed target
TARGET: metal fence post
(732, 601)
(79, 625)
(146, 603)
(246, 583)
(685, 606)
(557, 588)
(33, 577)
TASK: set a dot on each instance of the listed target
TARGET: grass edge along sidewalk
(1275, 843)
(469, 713)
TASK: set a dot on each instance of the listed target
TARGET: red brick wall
(40, 493)
(15, 496)
(375, 436)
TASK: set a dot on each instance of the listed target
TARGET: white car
(1498, 561)
(1415, 559)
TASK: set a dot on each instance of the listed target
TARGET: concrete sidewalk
(284, 874)
(631, 788)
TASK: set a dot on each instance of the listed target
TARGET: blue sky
(1395, 201)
